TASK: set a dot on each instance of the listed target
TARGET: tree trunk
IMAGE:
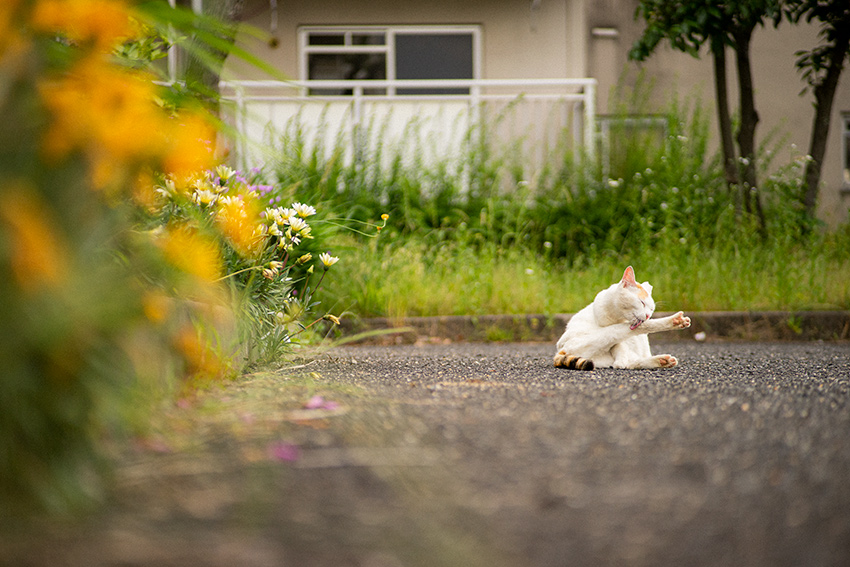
(203, 75)
(747, 130)
(724, 122)
(824, 96)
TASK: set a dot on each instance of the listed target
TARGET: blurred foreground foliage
(130, 258)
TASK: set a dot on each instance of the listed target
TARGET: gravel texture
(739, 456)
(484, 454)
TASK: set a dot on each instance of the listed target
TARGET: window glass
(368, 39)
(433, 56)
(347, 66)
(327, 39)
(376, 53)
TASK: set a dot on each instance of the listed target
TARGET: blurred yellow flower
(189, 145)
(107, 112)
(37, 255)
(192, 253)
(201, 359)
(239, 221)
(101, 23)
(10, 39)
(156, 306)
(144, 190)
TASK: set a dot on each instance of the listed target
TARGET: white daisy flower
(303, 211)
(328, 260)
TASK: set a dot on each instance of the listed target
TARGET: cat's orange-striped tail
(573, 362)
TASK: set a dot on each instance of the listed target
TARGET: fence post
(590, 119)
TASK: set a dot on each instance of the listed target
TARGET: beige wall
(553, 38)
(520, 39)
(778, 84)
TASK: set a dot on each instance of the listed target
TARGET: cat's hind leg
(657, 361)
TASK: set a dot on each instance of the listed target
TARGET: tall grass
(409, 277)
(489, 232)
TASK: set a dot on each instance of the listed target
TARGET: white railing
(538, 113)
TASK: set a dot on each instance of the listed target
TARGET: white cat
(612, 331)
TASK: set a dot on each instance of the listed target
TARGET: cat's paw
(679, 321)
(560, 359)
(666, 360)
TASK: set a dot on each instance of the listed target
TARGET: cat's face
(634, 300)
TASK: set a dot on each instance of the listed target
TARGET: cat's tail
(571, 361)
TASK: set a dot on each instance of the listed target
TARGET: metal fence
(423, 119)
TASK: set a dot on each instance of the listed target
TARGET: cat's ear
(628, 278)
(647, 286)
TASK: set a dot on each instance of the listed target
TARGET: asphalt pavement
(738, 456)
(484, 454)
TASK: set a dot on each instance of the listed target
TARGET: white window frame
(305, 49)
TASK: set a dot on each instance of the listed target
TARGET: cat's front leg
(669, 323)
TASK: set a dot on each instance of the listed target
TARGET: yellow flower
(144, 190)
(189, 144)
(332, 318)
(101, 23)
(38, 257)
(201, 360)
(304, 259)
(193, 253)
(106, 111)
(10, 39)
(156, 306)
(385, 216)
(239, 221)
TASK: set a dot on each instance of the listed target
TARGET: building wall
(782, 110)
(580, 38)
(520, 38)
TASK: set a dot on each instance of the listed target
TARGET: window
(388, 53)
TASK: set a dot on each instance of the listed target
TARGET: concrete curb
(728, 325)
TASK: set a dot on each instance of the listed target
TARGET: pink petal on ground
(282, 451)
(316, 402)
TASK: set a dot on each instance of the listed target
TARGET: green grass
(412, 278)
(487, 232)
